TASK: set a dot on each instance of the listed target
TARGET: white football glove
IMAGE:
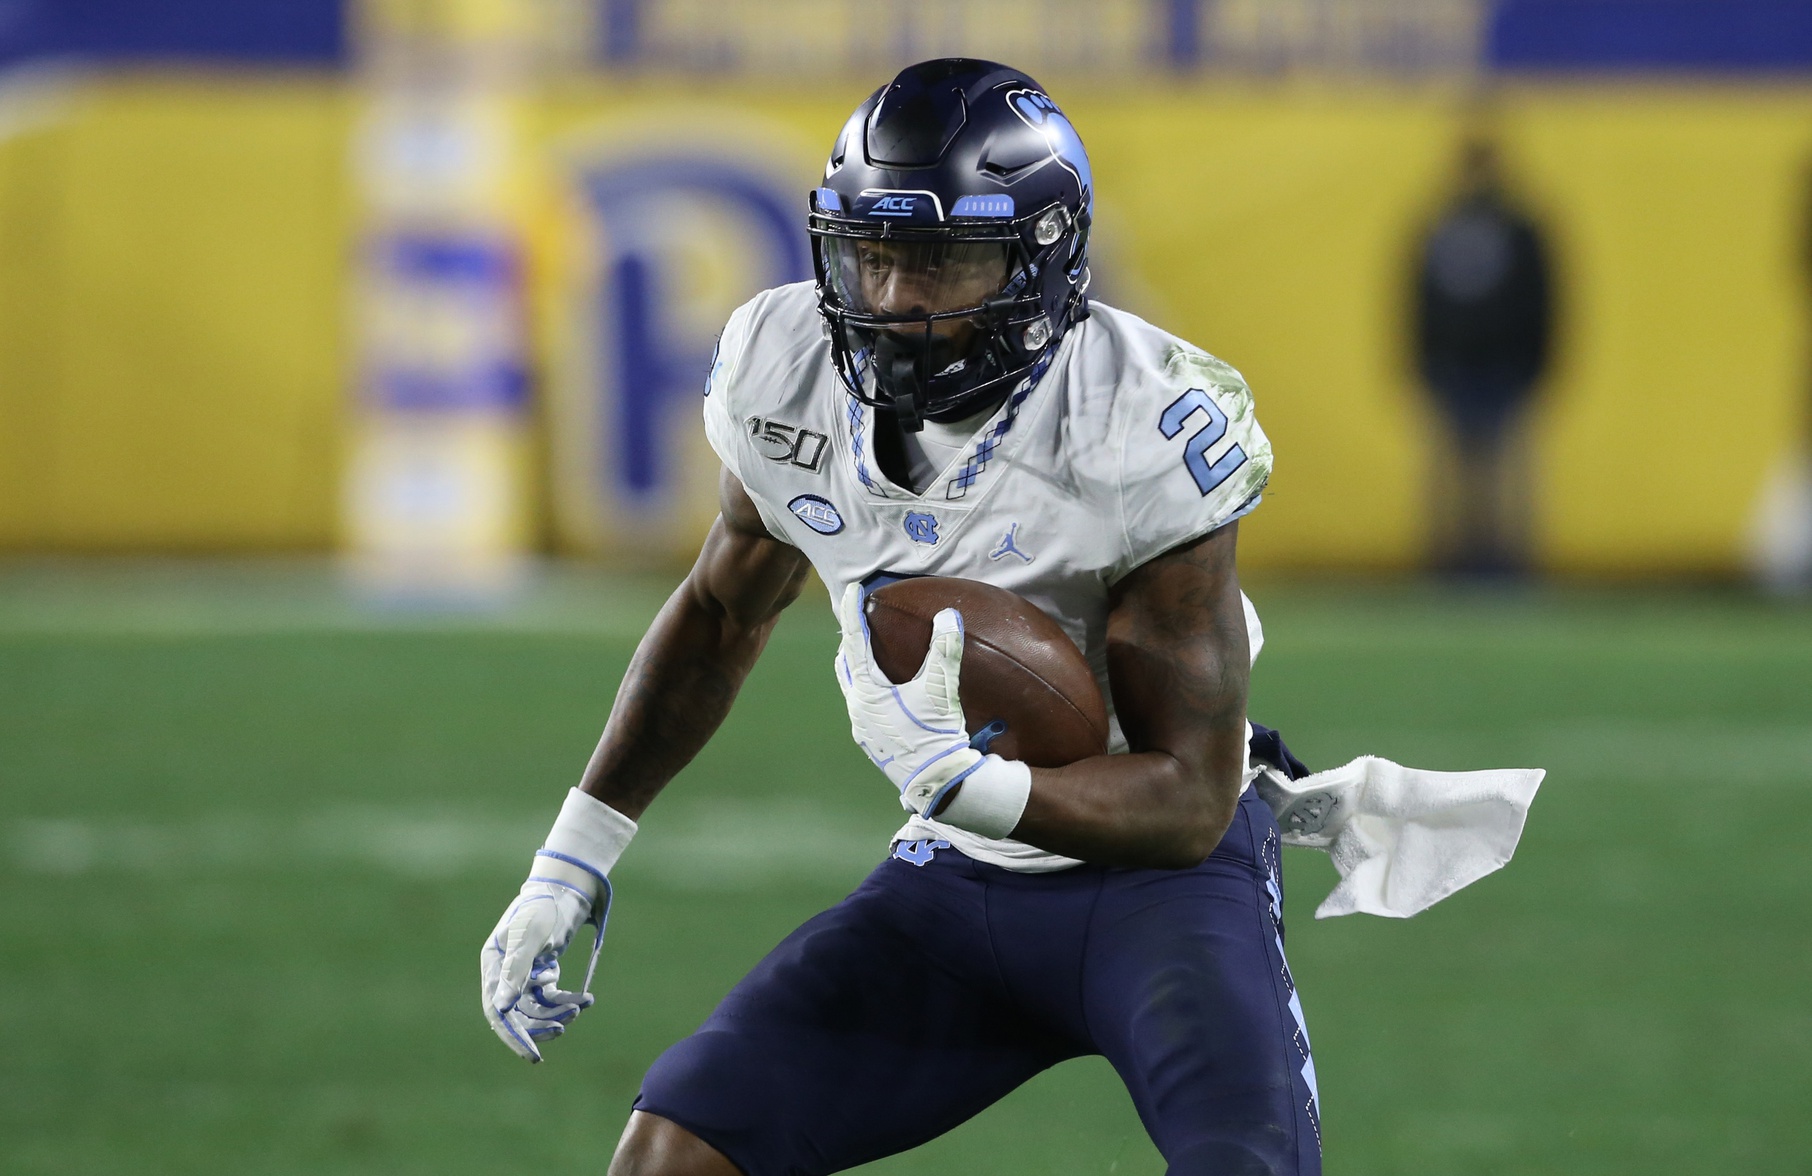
(519, 966)
(914, 731)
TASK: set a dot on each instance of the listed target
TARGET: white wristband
(587, 839)
(992, 798)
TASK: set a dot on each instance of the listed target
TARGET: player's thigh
(1189, 996)
(876, 1026)
(653, 1146)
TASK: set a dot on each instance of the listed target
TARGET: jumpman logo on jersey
(1007, 547)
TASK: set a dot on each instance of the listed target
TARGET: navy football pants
(942, 983)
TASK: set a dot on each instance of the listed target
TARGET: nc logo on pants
(919, 852)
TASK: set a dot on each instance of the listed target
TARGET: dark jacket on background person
(1483, 311)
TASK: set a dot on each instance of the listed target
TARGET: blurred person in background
(1483, 323)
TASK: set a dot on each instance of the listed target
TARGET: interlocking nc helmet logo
(1041, 114)
(921, 527)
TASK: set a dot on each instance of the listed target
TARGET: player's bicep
(743, 572)
(737, 508)
(1177, 653)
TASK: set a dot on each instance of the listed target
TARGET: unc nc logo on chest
(921, 527)
(788, 444)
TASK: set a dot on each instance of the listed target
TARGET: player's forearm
(1178, 665)
(677, 691)
(1139, 809)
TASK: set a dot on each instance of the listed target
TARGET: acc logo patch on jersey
(817, 513)
(921, 527)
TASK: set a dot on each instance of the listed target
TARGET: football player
(946, 400)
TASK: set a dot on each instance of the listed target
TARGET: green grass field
(251, 837)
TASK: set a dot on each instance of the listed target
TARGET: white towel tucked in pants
(1402, 838)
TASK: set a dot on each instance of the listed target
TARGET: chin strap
(902, 386)
(901, 363)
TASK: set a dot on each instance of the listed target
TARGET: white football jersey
(1131, 444)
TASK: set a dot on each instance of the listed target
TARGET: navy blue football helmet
(950, 239)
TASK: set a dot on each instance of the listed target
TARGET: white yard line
(723, 847)
(249, 597)
(730, 845)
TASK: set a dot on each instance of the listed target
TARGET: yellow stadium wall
(173, 253)
(171, 257)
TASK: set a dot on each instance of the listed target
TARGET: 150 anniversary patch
(788, 444)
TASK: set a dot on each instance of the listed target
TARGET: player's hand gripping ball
(1028, 694)
(913, 731)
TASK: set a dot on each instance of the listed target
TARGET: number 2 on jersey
(1207, 477)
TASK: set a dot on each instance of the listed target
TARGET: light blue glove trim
(573, 861)
(600, 909)
(561, 885)
(937, 798)
(918, 722)
(874, 759)
(510, 1027)
(948, 751)
(600, 917)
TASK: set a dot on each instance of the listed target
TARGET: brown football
(1019, 667)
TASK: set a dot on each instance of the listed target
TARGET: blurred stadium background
(348, 355)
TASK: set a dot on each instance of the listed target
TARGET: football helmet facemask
(950, 239)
